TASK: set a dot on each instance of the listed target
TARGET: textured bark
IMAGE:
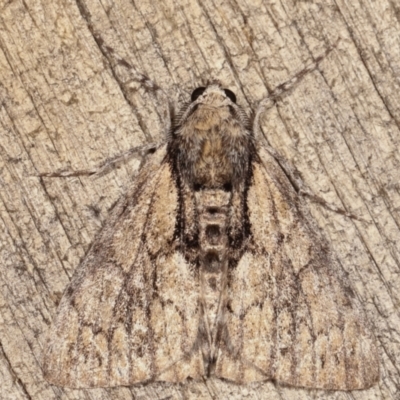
(62, 107)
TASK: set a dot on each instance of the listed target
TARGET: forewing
(291, 316)
(130, 313)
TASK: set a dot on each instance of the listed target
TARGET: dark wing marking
(291, 316)
(130, 313)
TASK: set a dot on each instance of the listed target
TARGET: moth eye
(231, 95)
(197, 92)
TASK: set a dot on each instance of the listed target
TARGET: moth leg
(284, 89)
(126, 73)
(290, 171)
(305, 191)
(302, 189)
(107, 165)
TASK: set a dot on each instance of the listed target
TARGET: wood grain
(62, 107)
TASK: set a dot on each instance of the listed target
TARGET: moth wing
(291, 317)
(130, 313)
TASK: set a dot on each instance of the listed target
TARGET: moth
(210, 266)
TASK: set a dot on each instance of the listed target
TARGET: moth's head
(211, 106)
(213, 96)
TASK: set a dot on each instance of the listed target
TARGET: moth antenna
(131, 73)
(106, 165)
(285, 88)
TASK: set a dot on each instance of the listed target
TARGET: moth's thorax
(214, 142)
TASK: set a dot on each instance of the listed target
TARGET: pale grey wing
(130, 313)
(291, 316)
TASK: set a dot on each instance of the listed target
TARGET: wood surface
(63, 106)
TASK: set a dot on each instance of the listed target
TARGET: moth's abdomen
(212, 207)
(213, 212)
